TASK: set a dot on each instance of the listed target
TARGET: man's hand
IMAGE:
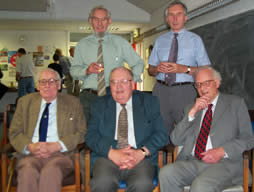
(168, 67)
(94, 68)
(137, 155)
(44, 149)
(200, 104)
(34, 148)
(213, 155)
(49, 148)
(120, 157)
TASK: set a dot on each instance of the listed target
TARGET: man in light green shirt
(115, 50)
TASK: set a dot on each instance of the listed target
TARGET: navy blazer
(149, 127)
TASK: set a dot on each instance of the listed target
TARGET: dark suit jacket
(148, 125)
(71, 124)
(231, 129)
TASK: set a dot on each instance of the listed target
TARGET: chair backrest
(8, 115)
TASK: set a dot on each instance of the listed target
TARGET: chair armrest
(168, 148)
(8, 149)
(247, 154)
(79, 147)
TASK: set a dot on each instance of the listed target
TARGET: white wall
(49, 40)
(79, 10)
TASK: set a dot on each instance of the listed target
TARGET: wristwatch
(144, 152)
(188, 70)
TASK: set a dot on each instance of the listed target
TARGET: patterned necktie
(170, 78)
(204, 132)
(43, 129)
(122, 132)
(101, 87)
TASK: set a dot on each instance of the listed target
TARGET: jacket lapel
(110, 116)
(34, 114)
(218, 113)
(138, 116)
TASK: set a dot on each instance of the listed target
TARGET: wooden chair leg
(87, 171)
(245, 174)
(4, 171)
(77, 171)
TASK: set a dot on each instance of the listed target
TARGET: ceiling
(63, 14)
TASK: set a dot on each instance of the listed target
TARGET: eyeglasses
(204, 83)
(121, 82)
(96, 19)
(50, 82)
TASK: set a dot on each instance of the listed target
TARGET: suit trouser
(173, 100)
(107, 176)
(200, 176)
(43, 175)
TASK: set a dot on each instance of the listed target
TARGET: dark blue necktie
(43, 129)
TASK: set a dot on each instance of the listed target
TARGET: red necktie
(203, 133)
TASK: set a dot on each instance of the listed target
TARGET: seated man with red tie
(46, 127)
(214, 133)
(125, 133)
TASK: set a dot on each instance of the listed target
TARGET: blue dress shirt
(191, 52)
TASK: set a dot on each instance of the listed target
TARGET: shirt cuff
(225, 155)
(25, 151)
(190, 118)
(64, 148)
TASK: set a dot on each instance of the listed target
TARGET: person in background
(45, 129)
(76, 86)
(174, 58)
(65, 63)
(96, 55)
(56, 65)
(3, 88)
(215, 131)
(125, 133)
(24, 73)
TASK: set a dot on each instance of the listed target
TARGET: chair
(8, 114)
(122, 185)
(70, 184)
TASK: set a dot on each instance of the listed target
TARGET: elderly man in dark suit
(214, 132)
(131, 156)
(46, 127)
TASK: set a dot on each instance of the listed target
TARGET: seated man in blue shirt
(46, 128)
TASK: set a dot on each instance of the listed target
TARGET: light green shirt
(116, 51)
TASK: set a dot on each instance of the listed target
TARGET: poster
(12, 55)
(4, 67)
(3, 59)
(38, 58)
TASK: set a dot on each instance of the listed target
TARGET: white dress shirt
(131, 133)
(52, 133)
(209, 143)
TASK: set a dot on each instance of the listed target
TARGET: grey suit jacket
(71, 124)
(231, 129)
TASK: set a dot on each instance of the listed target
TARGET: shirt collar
(214, 102)
(179, 32)
(128, 104)
(105, 37)
(43, 102)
